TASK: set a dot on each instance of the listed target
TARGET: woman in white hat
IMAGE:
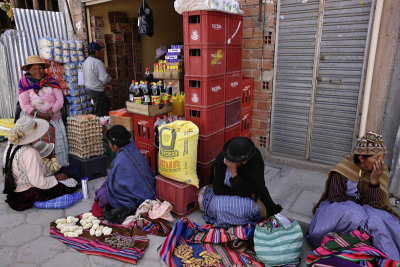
(24, 171)
(40, 96)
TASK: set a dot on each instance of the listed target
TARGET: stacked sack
(61, 51)
(77, 98)
(85, 136)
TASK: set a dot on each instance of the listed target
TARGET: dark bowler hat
(239, 149)
(118, 133)
(95, 46)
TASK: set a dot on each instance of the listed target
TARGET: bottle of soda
(146, 94)
(132, 91)
(148, 76)
(137, 94)
(155, 94)
(166, 96)
(160, 87)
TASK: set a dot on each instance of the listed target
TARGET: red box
(245, 122)
(183, 197)
(233, 58)
(247, 92)
(143, 126)
(210, 146)
(232, 112)
(204, 173)
(208, 119)
(204, 91)
(233, 86)
(234, 33)
(150, 153)
(206, 60)
(232, 131)
(204, 27)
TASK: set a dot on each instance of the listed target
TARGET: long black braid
(9, 182)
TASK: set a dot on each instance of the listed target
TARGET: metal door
(320, 61)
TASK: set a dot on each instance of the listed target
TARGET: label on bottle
(131, 98)
(165, 98)
(155, 99)
(146, 99)
(137, 100)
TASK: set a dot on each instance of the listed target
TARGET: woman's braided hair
(9, 182)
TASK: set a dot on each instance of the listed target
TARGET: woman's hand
(46, 116)
(377, 171)
(61, 176)
(232, 166)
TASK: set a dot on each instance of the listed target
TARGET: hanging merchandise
(145, 20)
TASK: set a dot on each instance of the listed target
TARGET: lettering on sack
(217, 57)
(216, 88)
(169, 153)
(245, 117)
(195, 98)
(246, 88)
(216, 26)
(234, 84)
(167, 164)
(195, 35)
(142, 122)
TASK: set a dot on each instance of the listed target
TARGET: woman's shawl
(350, 170)
(131, 180)
(25, 83)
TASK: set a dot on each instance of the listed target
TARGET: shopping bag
(177, 154)
(280, 245)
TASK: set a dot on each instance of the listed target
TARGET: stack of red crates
(246, 108)
(212, 53)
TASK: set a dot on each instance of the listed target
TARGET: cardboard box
(127, 122)
(97, 32)
(114, 38)
(119, 27)
(96, 21)
(117, 17)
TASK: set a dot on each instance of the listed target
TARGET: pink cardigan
(48, 98)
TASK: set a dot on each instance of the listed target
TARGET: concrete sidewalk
(25, 240)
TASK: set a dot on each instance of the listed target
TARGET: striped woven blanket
(354, 247)
(211, 239)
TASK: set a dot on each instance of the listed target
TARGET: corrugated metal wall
(17, 45)
(318, 77)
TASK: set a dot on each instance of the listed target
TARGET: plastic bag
(178, 151)
(46, 53)
(145, 20)
(46, 42)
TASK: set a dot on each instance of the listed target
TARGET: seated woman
(131, 180)
(24, 171)
(356, 196)
(238, 194)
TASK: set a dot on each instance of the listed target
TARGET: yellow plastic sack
(177, 154)
(5, 126)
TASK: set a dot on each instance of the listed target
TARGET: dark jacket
(248, 183)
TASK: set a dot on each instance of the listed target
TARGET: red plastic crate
(208, 119)
(143, 127)
(204, 27)
(210, 146)
(183, 197)
(233, 86)
(234, 29)
(245, 122)
(232, 131)
(150, 153)
(204, 91)
(233, 58)
(206, 60)
(247, 92)
(204, 173)
(232, 112)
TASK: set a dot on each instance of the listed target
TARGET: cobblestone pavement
(25, 240)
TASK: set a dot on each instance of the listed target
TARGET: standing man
(96, 78)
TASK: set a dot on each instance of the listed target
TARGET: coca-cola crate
(232, 112)
(143, 127)
(204, 91)
(150, 153)
(183, 197)
(206, 60)
(208, 119)
(247, 92)
(245, 122)
(204, 173)
(232, 131)
(210, 146)
(234, 29)
(233, 58)
(204, 27)
(233, 86)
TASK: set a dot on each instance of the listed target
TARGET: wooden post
(35, 4)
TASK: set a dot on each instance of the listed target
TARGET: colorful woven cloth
(354, 247)
(25, 83)
(207, 238)
(61, 202)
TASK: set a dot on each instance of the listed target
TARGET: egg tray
(87, 147)
(84, 136)
(90, 131)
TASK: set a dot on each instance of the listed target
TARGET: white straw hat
(44, 148)
(32, 60)
(27, 130)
